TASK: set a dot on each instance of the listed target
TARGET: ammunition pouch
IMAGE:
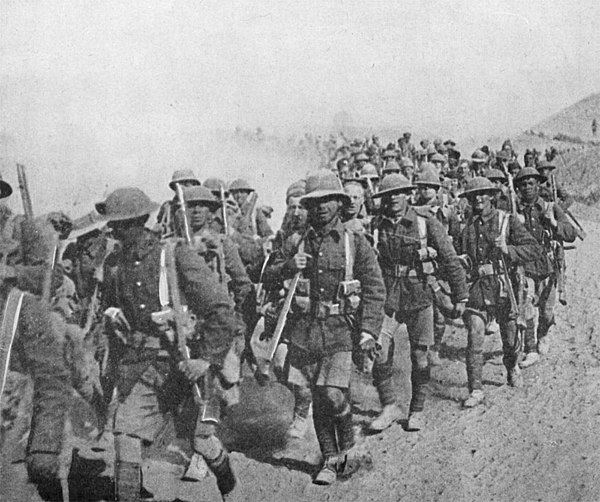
(302, 303)
(349, 296)
(399, 270)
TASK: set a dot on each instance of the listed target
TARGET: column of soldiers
(173, 309)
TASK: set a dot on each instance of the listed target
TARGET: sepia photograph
(270, 251)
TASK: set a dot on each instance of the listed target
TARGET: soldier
(355, 215)
(294, 219)
(439, 162)
(478, 163)
(492, 240)
(337, 266)
(407, 149)
(410, 239)
(501, 197)
(407, 168)
(164, 219)
(245, 196)
(137, 292)
(391, 167)
(547, 222)
(550, 190)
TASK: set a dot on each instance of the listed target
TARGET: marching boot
(221, 468)
(390, 411)
(325, 429)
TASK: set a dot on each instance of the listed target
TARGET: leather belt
(399, 270)
(323, 310)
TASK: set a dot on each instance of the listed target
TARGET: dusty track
(535, 443)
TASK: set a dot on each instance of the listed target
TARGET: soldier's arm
(280, 266)
(564, 231)
(448, 259)
(242, 286)
(367, 271)
(564, 198)
(522, 246)
(262, 225)
(209, 301)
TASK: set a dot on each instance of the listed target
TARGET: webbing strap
(8, 328)
(422, 226)
(163, 283)
(349, 256)
(504, 220)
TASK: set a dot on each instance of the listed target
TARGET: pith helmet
(428, 176)
(201, 194)
(240, 184)
(5, 189)
(369, 171)
(391, 167)
(502, 155)
(478, 157)
(321, 184)
(529, 172)
(214, 185)
(546, 164)
(406, 162)
(362, 156)
(182, 176)
(297, 189)
(495, 174)
(437, 157)
(126, 204)
(393, 184)
(478, 185)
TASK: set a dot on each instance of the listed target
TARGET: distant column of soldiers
(162, 316)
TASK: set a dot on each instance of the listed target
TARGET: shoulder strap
(163, 283)
(349, 252)
(503, 220)
(422, 226)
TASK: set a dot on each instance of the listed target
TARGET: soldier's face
(528, 188)
(296, 212)
(240, 196)
(396, 204)
(481, 202)
(323, 211)
(199, 215)
(357, 198)
(426, 194)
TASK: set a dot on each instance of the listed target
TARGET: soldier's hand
(459, 308)
(300, 260)
(500, 243)
(369, 348)
(117, 319)
(193, 369)
(549, 215)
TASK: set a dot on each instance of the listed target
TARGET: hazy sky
(84, 80)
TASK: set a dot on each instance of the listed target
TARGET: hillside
(575, 120)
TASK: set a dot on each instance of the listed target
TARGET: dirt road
(535, 443)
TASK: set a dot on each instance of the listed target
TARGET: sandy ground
(535, 443)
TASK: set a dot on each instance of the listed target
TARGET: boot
(221, 468)
(390, 414)
(515, 379)
(419, 379)
(416, 421)
(475, 399)
(530, 359)
(328, 473)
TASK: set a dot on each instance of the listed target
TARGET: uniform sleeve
(209, 301)
(241, 284)
(367, 271)
(448, 259)
(565, 231)
(522, 246)
(280, 267)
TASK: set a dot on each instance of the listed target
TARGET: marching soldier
(164, 219)
(337, 308)
(549, 225)
(245, 196)
(550, 189)
(410, 241)
(494, 242)
(150, 373)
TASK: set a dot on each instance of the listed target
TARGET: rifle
(224, 210)
(559, 253)
(514, 304)
(28, 209)
(263, 347)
